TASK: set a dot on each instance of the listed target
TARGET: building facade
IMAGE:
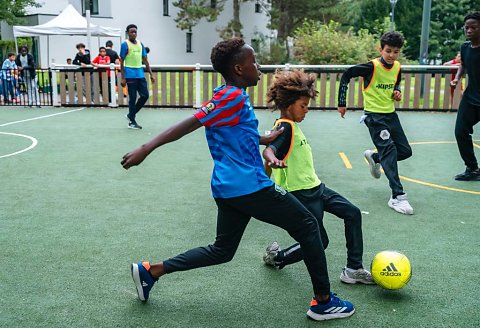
(156, 29)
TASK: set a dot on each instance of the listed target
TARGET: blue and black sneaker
(335, 309)
(143, 279)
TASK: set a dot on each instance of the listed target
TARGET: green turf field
(72, 220)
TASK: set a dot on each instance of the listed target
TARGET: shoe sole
(321, 317)
(137, 281)
(351, 281)
(399, 211)
(371, 165)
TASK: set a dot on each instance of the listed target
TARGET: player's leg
(311, 199)
(132, 98)
(231, 225)
(339, 206)
(468, 115)
(404, 150)
(380, 132)
(143, 94)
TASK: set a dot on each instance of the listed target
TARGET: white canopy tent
(68, 22)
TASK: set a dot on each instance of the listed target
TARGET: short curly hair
(393, 39)
(226, 53)
(474, 15)
(289, 86)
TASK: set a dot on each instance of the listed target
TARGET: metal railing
(22, 88)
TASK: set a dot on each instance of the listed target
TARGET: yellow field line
(440, 187)
(345, 160)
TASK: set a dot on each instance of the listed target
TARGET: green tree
(192, 11)
(11, 11)
(446, 32)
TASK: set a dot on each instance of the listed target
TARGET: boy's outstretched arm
(173, 133)
(363, 70)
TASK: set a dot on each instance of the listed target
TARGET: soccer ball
(391, 270)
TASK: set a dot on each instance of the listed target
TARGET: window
(165, 8)
(213, 4)
(91, 5)
(258, 7)
(189, 42)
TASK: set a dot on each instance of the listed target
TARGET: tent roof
(68, 22)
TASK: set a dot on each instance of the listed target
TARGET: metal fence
(19, 88)
(187, 86)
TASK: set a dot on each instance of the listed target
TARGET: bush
(320, 44)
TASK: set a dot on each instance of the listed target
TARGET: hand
(454, 83)
(152, 78)
(276, 164)
(269, 137)
(123, 83)
(342, 111)
(397, 95)
(134, 157)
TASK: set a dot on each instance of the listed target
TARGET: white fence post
(198, 99)
(54, 86)
(113, 95)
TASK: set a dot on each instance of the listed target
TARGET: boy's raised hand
(342, 111)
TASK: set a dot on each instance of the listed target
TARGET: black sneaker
(134, 125)
(469, 175)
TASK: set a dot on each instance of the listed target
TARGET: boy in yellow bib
(381, 86)
(289, 158)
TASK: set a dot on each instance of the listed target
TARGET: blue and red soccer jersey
(231, 128)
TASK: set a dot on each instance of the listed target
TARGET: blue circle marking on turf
(32, 139)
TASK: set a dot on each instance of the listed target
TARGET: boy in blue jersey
(469, 110)
(291, 158)
(132, 55)
(240, 186)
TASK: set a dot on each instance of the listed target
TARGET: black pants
(271, 205)
(322, 199)
(468, 115)
(392, 146)
(134, 106)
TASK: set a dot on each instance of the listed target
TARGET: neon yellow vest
(378, 95)
(300, 173)
(133, 59)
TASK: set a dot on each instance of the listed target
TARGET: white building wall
(158, 32)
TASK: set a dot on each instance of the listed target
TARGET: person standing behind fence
(381, 87)
(457, 61)
(82, 58)
(103, 59)
(469, 110)
(132, 54)
(8, 71)
(26, 65)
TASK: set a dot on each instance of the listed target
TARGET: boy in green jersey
(381, 87)
(289, 158)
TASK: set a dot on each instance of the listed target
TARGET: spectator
(26, 66)
(114, 58)
(82, 59)
(8, 71)
(103, 59)
(457, 61)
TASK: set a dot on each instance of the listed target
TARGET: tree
(192, 11)
(287, 15)
(11, 11)
(447, 34)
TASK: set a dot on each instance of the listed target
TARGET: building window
(165, 8)
(258, 7)
(91, 5)
(213, 4)
(189, 42)
(256, 45)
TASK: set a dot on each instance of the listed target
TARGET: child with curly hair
(290, 158)
(240, 186)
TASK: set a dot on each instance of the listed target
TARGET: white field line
(34, 143)
(40, 117)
